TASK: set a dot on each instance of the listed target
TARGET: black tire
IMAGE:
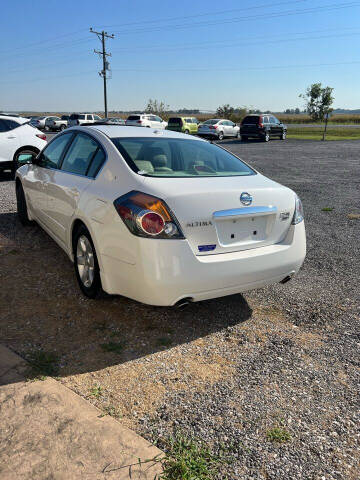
(16, 163)
(94, 288)
(238, 135)
(266, 137)
(187, 132)
(221, 135)
(21, 205)
(244, 138)
(46, 128)
(283, 136)
(62, 127)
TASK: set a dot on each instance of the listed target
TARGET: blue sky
(199, 54)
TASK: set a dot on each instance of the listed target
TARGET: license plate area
(242, 230)
(245, 226)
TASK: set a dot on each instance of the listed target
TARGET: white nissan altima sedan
(160, 217)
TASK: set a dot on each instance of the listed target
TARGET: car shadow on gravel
(42, 309)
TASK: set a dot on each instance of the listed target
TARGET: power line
(102, 37)
(323, 8)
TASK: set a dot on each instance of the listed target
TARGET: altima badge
(246, 198)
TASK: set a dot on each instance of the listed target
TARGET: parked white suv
(18, 137)
(80, 118)
(146, 120)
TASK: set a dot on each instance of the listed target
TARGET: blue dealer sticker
(206, 248)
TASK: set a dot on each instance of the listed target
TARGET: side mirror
(26, 158)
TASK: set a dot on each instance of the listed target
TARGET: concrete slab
(49, 432)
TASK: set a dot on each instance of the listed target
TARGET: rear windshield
(211, 122)
(134, 117)
(168, 157)
(175, 121)
(250, 119)
(77, 116)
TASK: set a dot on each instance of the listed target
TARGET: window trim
(99, 146)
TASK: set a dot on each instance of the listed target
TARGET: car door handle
(13, 136)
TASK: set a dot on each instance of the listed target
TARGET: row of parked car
(252, 126)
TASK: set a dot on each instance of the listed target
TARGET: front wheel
(186, 132)
(221, 135)
(62, 127)
(238, 135)
(21, 205)
(266, 137)
(283, 136)
(86, 265)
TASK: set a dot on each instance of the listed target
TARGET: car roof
(15, 118)
(116, 131)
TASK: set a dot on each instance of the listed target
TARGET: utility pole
(102, 36)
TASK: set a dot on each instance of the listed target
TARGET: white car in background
(80, 118)
(146, 120)
(160, 217)
(18, 137)
(218, 128)
(39, 122)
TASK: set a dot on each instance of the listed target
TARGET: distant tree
(231, 113)
(157, 107)
(297, 111)
(318, 101)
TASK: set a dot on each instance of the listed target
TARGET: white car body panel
(164, 271)
(22, 136)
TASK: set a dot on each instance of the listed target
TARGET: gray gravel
(290, 353)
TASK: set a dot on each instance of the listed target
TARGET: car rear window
(250, 120)
(134, 117)
(211, 122)
(175, 121)
(168, 157)
(77, 116)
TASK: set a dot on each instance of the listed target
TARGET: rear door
(9, 140)
(79, 166)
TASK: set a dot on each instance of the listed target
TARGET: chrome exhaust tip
(183, 303)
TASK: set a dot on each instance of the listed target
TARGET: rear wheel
(221, 135)
(266, 137)
(62, 127)
(16, 163)
(21, 205)
(86, 265)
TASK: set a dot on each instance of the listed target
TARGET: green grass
(188, 459)
(42, 364)
(278, 434)
(327, 209)
(316, 133)
(116, 347)
(96, 391)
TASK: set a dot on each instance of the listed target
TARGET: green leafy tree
(318, 101)
(231, 113)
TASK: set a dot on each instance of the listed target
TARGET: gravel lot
(237, 370)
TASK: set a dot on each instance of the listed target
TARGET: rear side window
(76, 116)
(134, 117)
(52, 155)
(80, 155)
(3, 126)
(6, 125)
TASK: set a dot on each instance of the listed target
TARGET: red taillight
(41, 135)
(151, 223)
(138, 121)
(261, 125)
(213, 127)
(147, 216)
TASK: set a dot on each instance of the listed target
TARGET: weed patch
(278, 434)
(116, 347)
(42, 364)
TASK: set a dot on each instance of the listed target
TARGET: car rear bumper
(167, 271)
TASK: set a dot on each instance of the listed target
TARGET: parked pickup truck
(56, 123)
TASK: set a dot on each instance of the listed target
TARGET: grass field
(315, 133)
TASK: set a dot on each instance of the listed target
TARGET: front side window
(52, 154)
(80, 155)
(168, 157)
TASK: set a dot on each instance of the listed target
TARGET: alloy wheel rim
(85, 261)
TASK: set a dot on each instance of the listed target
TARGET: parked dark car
(263, 126)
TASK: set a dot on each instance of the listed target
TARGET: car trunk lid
(214, 220)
